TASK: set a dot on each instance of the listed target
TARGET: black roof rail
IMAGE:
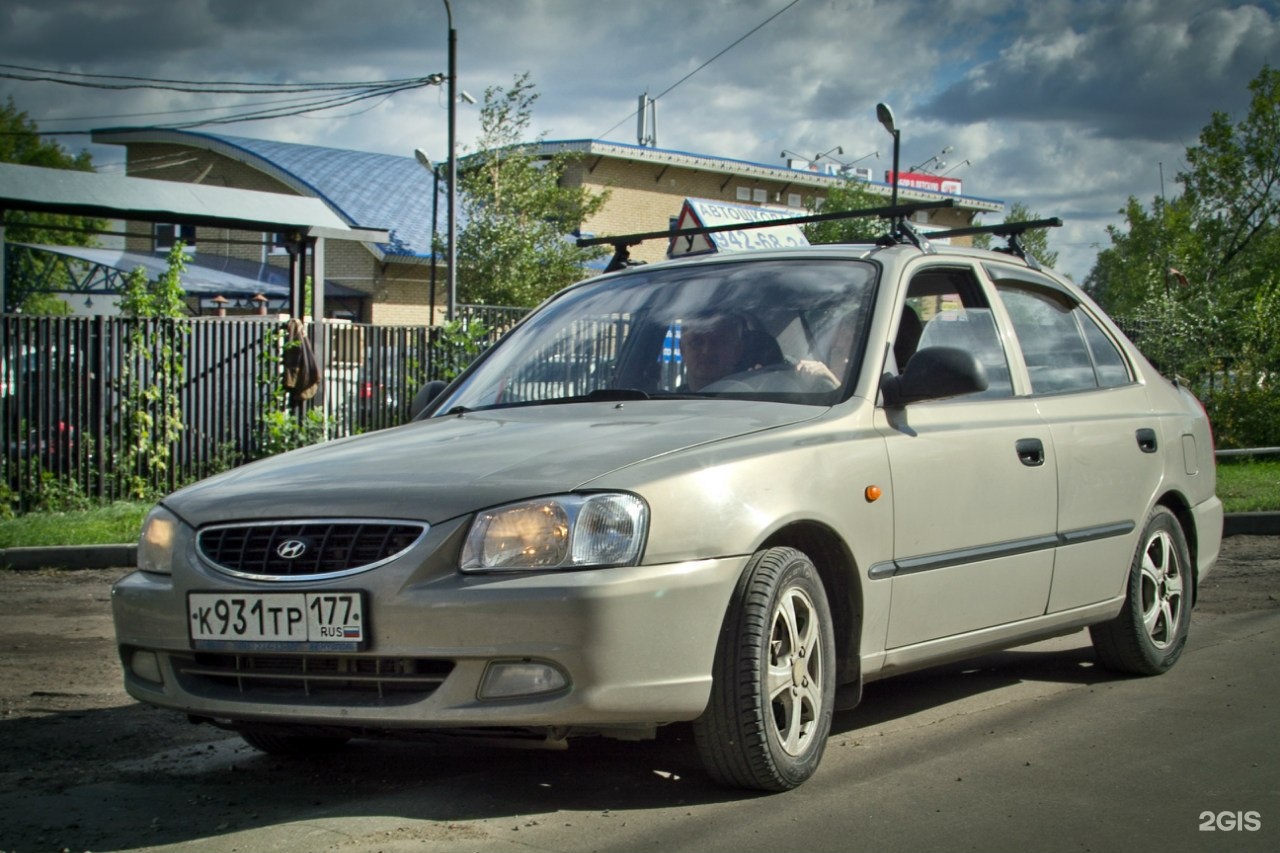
(1011, 231)
(621, 243)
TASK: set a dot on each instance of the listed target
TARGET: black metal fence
(71, 387)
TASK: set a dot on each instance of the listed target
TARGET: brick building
(648, 187)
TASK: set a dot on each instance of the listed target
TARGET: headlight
(155, 545)
(566, 531)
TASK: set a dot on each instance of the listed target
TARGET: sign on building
(923, 181)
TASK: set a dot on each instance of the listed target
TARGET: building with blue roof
(383, 283)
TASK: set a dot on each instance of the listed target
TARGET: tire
(1148, 636)
(773, 679)
(296, 745)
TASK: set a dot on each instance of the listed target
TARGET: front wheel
(773, 688)
(1148, 636)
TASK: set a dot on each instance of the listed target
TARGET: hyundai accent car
(726, 490)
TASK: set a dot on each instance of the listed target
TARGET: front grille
(311, 679)
(305, 549)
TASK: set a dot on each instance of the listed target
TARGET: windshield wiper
(599, 395)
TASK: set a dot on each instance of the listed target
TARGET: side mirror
(934, 373)
(423, 398)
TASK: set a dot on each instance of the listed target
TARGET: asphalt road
(1034, 749)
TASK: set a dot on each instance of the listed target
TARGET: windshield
(782, 330)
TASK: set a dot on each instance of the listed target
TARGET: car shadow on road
(136, 776)
(914, 692)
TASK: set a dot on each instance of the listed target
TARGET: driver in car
(722, 346)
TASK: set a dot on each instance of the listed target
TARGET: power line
(232, 87)
(113, 116)
(739, 41)
(321, 97)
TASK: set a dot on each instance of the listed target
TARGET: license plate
(277, 621)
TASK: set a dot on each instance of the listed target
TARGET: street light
(936, 158)
(816, 157)
(846, 165)
(452, 304)
(435, 205)
(794, 156)
(885, 115)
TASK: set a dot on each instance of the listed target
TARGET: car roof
(901, 240)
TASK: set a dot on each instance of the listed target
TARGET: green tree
(1220, 238)
(1196, 279)
(152, 371)
(1233, 187)
(851, 195)
(20, 142)
(514, 247)
(1036, 241)
(1154, 255)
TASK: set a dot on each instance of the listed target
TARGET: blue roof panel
(368, 190)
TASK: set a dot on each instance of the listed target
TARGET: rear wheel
(1148, 636)
(274, 743)
(773, 688)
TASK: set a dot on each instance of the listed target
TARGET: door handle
(1030, 452)
(1146, 440)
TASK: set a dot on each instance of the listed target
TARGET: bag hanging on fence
(301, 372)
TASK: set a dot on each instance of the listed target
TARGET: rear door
(1105, 436)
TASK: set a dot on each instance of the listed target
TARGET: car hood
(445, 467)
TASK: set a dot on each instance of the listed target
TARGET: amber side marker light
(873, 493)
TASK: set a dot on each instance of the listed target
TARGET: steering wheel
(779, 376)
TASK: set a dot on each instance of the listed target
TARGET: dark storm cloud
(75, 34)
(1144, 70)
(240, 39)
(1068, 106)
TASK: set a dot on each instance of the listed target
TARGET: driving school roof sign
(701, 212)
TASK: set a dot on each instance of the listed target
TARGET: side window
(165, 235)
(1110, 365)
(945, 308)
(1062, 346)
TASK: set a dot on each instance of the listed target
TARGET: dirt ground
(65, 721)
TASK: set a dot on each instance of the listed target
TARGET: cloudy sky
(1068, 106)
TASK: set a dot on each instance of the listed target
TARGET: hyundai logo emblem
(291, 549)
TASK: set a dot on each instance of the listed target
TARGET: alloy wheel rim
(1162, 590)
(795, 672)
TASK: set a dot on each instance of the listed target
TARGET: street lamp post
(435, 206)
(452, 304)
(885, 115)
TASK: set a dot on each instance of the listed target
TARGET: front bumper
(636, 646)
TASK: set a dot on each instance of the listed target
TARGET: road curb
(1251, 523)
(70, 557)
(126, 556)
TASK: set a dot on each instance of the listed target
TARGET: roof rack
(1011, 231)
(622, 242)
